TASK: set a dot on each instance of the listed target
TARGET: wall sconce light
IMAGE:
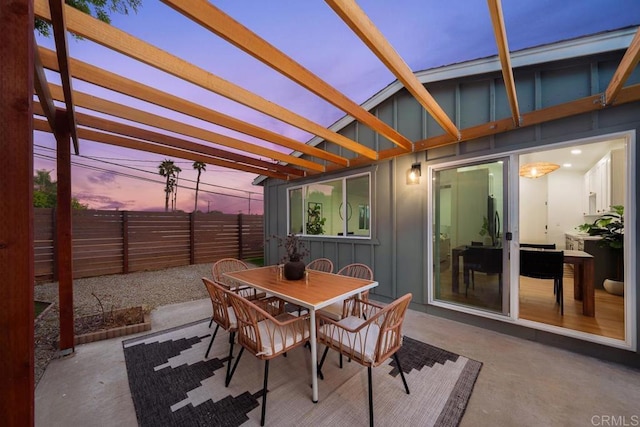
(415, 172)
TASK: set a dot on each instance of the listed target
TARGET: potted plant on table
(610, 227)
(295, 250)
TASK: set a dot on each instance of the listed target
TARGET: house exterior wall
(397, 250)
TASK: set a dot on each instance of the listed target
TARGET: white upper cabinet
(604, 184)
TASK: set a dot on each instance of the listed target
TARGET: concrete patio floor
(521, 383)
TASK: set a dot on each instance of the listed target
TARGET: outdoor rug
(172, 384)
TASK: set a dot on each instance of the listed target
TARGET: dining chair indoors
(370, 335)
(545, 264)
(266, 336)
(321, 264)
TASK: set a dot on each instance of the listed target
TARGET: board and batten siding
(398, 245)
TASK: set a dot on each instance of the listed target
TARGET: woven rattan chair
(229, 265)
(369, 335)
(360, 271)
(321, 264)
(223, 315)
(267, 336)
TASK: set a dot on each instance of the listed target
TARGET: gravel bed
(149, 289)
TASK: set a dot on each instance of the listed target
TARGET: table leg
(588, 290)
(314, 356)
(455, 270)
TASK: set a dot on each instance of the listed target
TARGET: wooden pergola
(23, 65)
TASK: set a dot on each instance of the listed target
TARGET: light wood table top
(317, 290)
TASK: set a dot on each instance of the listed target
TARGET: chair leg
(324, 355)
(211, 342)
(231, 341)
(340, 360)
(264, 391)
(235, 365)
(211, 321)
(404, 381)
(370, 396)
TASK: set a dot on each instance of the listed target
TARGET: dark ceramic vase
(294, 270)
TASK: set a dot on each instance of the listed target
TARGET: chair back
(483, 259)
(357, 270)
(371, 334)
(227, 265)
(220, 304)
(545, 264)
(538, 245)
(390, 320)
(321, 264)
(264, 335)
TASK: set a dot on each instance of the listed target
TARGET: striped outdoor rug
(172, 384)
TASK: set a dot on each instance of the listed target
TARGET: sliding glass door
(470, 254)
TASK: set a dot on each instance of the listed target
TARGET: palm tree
(199, 166)
(169, 170)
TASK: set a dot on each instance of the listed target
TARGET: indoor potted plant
(610, 227)
(295, 250)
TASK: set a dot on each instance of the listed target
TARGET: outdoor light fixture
(414, 174)
(536, 170)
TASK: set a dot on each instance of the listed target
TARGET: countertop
(581, 236)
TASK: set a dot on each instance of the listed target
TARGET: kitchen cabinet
(604, 184)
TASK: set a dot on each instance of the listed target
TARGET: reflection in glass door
(470, 263)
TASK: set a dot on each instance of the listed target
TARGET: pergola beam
(556, 112)
(134, 144)
(218, 22)
(497, 19)
(115, 39)
(624, 70)
(135, 115)
(360, 24)
(92, 74)
(122, 129)
(57, 8)
(42, 89)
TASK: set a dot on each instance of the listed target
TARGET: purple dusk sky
(426, 33)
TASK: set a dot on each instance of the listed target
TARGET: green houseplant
(610, 227)
(315, 220)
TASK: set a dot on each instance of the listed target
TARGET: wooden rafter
(42, 89)
(134, 144)
(360, 24)
(58, 22)
(129, 113)
(556, 112)
(122, 129)
(106, 35)
(624, 70)
(218, 22)
(497, 19)
(92, 74)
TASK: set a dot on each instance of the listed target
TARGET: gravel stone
(149, 289)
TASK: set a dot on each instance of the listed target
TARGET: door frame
(512, 213)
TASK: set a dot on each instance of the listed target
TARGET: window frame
(344, 203)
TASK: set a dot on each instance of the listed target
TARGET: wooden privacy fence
(112, 242)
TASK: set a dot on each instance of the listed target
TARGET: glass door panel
(470, 262)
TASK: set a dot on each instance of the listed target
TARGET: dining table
(583, 267)
(314, 291)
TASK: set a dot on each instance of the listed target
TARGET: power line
(154, 173)
(99, 169)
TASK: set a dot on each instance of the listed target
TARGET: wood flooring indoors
(537, 303)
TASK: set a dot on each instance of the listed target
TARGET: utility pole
(208, 206)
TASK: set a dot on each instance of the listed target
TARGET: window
(332, 208)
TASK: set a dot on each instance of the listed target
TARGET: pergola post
(16, 205)
(64, 231)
